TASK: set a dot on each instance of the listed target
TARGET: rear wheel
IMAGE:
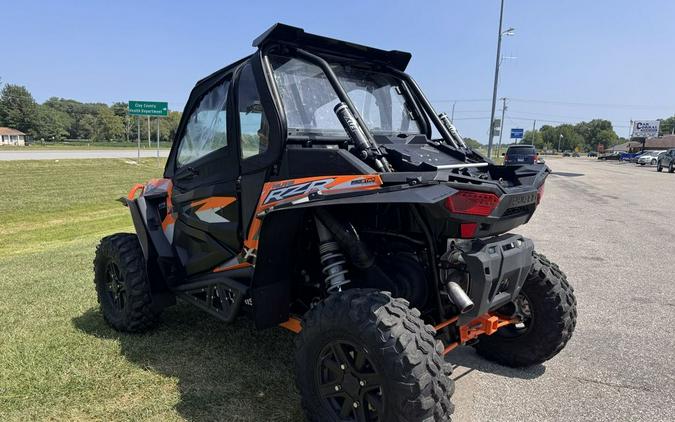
(547, 309)
(365, 356)
(122, 284)
(670, 167)
(659, 167)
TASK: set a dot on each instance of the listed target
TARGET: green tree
(533, 138)
(597, 132)
(667, 125)
(107, 126)
(18, 109)
(472, 143)
(52, 124)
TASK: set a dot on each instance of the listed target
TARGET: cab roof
(282, 34)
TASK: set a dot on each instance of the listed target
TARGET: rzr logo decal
(296, 190)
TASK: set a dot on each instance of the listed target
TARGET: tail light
(540, 193)
(472, 203)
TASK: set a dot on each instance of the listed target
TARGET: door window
(206, 129)
(253, 124)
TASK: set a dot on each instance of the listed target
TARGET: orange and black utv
(306, 189)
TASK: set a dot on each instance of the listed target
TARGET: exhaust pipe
(459, 297)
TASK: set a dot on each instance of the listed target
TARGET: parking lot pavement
(74, 154)
(610, 226)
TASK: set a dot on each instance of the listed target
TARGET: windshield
(521, 150)
(309, 99)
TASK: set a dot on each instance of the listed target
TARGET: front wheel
(365, 356)
(122, 284)
(548, 311)
(670, 167)
(653, 162)
(659, 167)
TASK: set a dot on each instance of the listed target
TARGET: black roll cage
(294, 42)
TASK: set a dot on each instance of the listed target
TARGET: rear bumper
(497, 268)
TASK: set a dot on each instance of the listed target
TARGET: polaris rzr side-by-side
(306, 189)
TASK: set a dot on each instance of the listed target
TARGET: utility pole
(559, 139)
(501, 129)
(452, 115)
(534, 130)
(494, 89)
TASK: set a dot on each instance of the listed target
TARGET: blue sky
(576, 60)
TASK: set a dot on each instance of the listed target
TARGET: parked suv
(521, 154)
(667, 159)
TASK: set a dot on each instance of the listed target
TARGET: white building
(10, 136)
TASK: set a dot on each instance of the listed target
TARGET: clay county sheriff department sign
(148, 108)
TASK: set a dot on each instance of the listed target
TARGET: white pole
(149, 144)
(138, 120)
(158, 142)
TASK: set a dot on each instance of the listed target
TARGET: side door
(205, 185)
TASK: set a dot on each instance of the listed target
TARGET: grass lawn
(60, 361)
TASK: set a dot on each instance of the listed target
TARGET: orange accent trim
(487, 324)
(293, 324)
(232, 267)
(213, 202)
(446, 323)
(169, 219)
(134, 189)
(450, 347)
(371, 182)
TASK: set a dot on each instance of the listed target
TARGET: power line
(525, 100)
(472, 100)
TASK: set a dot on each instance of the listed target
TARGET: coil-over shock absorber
(333, 262)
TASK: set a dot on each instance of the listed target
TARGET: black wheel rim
(525, 315)
(349, 384)
(115, 286)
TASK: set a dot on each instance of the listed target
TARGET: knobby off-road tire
(122, 284)
(553, 318)
(365, 344)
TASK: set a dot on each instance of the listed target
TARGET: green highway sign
(148, 108)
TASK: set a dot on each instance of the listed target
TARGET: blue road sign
(517, 133)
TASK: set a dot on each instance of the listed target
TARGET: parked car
(567, 153)
(649, 157)
(575, 154)
(629, 156)
(610, 156)
(592, 154)
(521, 154)
(666, 159)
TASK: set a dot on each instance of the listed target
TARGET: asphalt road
(610, 227)
(76, 154)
